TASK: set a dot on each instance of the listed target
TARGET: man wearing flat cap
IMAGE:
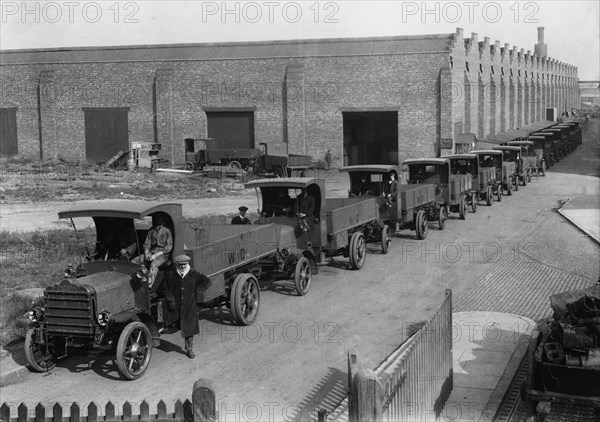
(241, 218)
(183, 289)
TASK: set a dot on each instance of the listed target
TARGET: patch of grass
(33, 261)
(12, 316)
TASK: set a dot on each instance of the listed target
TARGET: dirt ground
(31, 195)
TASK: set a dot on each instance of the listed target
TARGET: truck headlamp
(104, 318)
(36, 314)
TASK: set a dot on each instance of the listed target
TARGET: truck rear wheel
(499, 193)
(462, 208)
(245, 299)
(509, 187)
(474, 199)
(516, 183)
(38, 357)
(386, 239)
(302, 276)
(421, 225)
(134, 350)
(358, 251)
(543, 171)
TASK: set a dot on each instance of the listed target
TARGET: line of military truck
(107, 303)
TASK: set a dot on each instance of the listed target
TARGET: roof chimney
(540, 49)
(540, 35)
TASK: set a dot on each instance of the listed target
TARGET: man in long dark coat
(183, 289)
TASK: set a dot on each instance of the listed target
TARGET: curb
(12, 375)
(575, 223)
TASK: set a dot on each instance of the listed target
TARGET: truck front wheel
(489, 196)
(302, 276)
(386, 239)
(37, 355)
(134, 350)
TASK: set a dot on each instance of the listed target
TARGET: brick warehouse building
(368, 100)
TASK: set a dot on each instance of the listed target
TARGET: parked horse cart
(106, 302)
(323, 227)
(451, 190)
(407, 209)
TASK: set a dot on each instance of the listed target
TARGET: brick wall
(297, 101)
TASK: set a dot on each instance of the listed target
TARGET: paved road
(295, 356)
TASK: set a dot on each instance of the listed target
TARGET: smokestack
(541, 49)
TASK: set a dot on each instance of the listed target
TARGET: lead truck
(105, 301)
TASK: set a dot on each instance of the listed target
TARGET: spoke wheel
(358, 251)
(189, 166)
(474, 198)
(235, 165)
(134, 350)
(421, 225)
(302, 276)
(386, 239)
(462, 208)
(37, 355)
(245, 299)
(442, 217)
(489, 196)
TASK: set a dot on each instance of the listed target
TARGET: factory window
(502, 71)
(451, 63)
(467, 66)
(480, 68)
(519, 72)
(106, 133)
(231, 129)
(511, 72)
(8, 132)
(492, 70)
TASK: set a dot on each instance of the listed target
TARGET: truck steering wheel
(273, 210)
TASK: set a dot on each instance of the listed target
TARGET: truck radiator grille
(69, 312)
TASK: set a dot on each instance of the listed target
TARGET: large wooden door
(106, 133)
(8, 132)
(231, 129)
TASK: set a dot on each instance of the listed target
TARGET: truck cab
(511, 161)
(451, 189)
(105, 301)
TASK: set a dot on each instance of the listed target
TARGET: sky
(572, 28)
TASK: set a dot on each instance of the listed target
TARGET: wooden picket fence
(412, 384)
(202, 408)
